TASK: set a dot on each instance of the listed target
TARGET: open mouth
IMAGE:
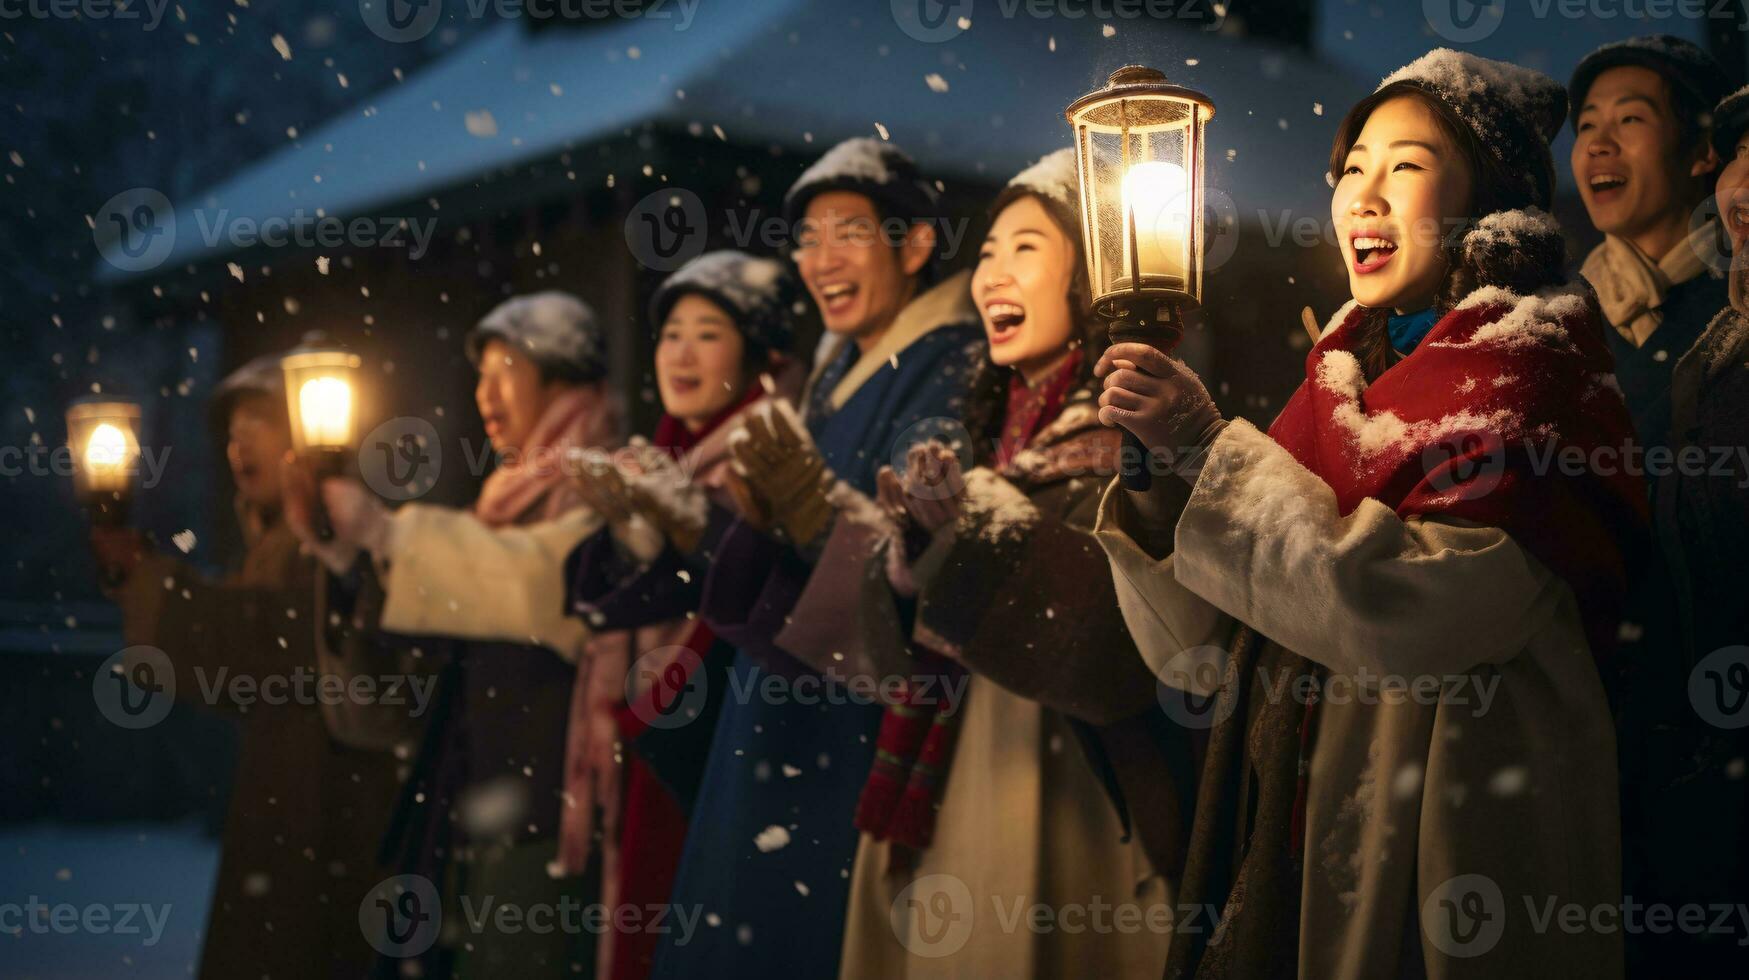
(684, 386)
(837, 297)
(1005, 320)
(494, 425)
(1371, 252)
(1737, 219)
(1605, 187)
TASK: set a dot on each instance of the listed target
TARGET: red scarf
(1032, 407)
(670, 683)
(1451, 431)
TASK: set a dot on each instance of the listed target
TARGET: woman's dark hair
(1492, 188)
(987, 401)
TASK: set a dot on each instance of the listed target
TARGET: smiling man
(1644, 165)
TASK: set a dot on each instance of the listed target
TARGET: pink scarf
(530, 484)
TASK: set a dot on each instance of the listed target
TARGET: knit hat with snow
(1514, 112)
(873, 168)
(261, 376)
(1052, 179)
(760, 294)
(1693, 73)
(559, 331)
(1730, 121)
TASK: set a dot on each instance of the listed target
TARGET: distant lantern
(1139, 156)
(322, 399)
(320, 390)
(103, 435)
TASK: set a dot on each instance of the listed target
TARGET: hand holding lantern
(103, 436)
(1139, 155)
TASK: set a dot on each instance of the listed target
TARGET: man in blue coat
(772, 840)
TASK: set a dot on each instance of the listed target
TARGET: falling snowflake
(772, 838)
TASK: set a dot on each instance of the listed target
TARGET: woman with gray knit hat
(1395, 615)
(484, 808)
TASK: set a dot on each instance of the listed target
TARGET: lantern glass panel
(1140, 159)
(321, 399)
(104, 437)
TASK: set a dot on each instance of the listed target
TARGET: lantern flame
(107, 448)
(325, 409)
(1153, 195)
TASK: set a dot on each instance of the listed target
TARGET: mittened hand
(934, 486)
(786, 474)
(357, 518)
(1160, 400)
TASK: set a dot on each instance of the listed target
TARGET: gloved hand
(358, 519)
(788, 478)
(667, 497)
(1160, 400)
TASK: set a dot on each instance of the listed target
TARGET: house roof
(984, 103)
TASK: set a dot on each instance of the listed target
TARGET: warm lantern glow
(325, 410)
(1153, 197)
(321, 396)
(103, 435)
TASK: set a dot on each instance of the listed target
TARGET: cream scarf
(1631, 287)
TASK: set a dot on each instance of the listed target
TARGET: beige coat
(1440, 829)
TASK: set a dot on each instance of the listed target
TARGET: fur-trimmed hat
(759, 294)
(559, 331)
(1691, 71)
(1514, 112)
(873, 168)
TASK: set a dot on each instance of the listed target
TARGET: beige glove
(788, 478)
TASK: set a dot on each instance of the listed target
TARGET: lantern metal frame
(1138, 307)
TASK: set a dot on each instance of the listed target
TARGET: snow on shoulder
(1540, 318)
(993, 508)
(1339, 372)
(1512, 228)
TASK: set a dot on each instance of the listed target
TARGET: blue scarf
(1407, 330)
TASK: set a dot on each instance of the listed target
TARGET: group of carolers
(816, 681)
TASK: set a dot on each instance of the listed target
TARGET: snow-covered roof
(984, 103)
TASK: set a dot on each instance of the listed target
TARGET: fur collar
(947, 302)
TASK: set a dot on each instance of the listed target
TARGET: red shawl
(1464, 428)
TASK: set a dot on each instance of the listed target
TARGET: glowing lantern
(1139, 156)
(103, 436)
